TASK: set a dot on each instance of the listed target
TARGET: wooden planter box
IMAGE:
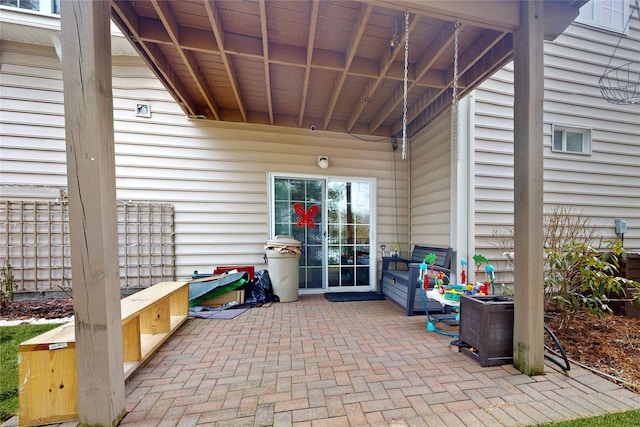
(629, 269)
(486, 329)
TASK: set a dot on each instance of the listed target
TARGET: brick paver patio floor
(316, 363)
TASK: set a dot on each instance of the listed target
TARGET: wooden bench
(47, 370)
(400, 278)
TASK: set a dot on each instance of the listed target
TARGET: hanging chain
(455, 65)
(454, 102)
(406, 78)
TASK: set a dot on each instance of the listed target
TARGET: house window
(571, 140)
(610, 15)
(44, 6)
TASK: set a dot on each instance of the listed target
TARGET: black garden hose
(553, 359)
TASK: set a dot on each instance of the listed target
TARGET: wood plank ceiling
(337, 65)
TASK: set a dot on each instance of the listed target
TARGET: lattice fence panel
(35, 240)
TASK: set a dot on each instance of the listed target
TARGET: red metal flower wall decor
(306, 218)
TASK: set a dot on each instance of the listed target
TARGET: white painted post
(88, 101)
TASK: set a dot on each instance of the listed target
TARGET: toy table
(433, 294)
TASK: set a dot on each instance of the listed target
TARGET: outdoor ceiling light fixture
(323, 162)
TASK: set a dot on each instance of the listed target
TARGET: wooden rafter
(163, 9)
(126, 20)
(482, 45)
(313, 23)
(384, 64)
(195, 47)
(218, 31)
(352, 47)
(499, 53)
(436, 49)
(265, 57)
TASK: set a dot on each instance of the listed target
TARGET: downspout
(471, 181)
(462, 218)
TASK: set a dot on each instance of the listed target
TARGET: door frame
(373, 254)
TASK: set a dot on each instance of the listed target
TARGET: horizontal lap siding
(494, 167)
(604, 185)
(431, 184)
(215, 175)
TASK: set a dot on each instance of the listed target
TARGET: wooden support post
(88, 102)
(528, 334)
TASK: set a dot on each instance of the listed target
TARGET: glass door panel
(349, 233)
(298, 212)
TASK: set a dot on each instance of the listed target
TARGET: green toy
(479, 259)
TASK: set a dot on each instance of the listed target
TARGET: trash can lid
(284, 241)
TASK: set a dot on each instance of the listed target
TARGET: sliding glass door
(333, 219)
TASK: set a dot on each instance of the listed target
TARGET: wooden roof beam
(218, 31)
(478, 49)
(125, 18)
(498, 54)
(352, 48)
(384, 64)
(435, 50)
(265, 57)
(500, 15)
(494, 59)
(173, 29)
(152, 30)
(313, 24)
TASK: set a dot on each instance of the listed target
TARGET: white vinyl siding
(431, 183)
(214, 174)
(603, 185)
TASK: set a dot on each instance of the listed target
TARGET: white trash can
(283, 255)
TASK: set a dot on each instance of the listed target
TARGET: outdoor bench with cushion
(400, 281)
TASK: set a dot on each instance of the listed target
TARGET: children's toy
(479, 259)
(463, 273)
(440, 282)
(424, 279)
(490, 275)
(431, 260)
(454, 292)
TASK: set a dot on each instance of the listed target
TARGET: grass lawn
(10, 339)
(622, 419)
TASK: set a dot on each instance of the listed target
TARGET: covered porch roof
(291, 64)
(337, 65)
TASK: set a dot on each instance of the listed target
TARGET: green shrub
(580, 277)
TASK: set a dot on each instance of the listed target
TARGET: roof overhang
(337, 65)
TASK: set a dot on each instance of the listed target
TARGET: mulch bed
(52, 308)
(610, 344)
